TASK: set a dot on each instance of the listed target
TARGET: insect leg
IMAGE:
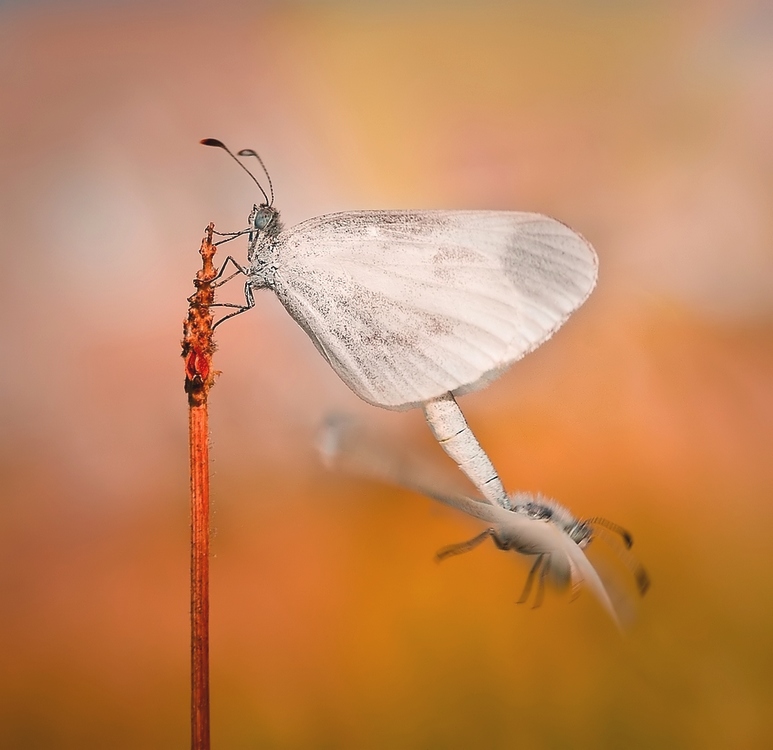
(530, 579)
(220, 281)
(541, 583)
(215, 282)
(249, 302)
(221, 271)
(462, 547)
(231, 236)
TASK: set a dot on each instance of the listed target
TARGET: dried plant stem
(198, 348)
(198, 431)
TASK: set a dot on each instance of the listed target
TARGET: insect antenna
(629, 560)
(624, 535)
(250, 152)
(219, 144)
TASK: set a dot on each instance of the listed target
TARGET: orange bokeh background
(647, 127)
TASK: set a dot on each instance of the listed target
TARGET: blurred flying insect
(411, 308)
(533, 525)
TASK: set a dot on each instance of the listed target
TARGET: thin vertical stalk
(198, 349)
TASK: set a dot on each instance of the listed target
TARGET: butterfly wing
(408, 305)
(582, 571)
(345, 443)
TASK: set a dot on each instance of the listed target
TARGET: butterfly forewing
(407, 305)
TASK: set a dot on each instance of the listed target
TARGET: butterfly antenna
(629, 560)
(624, 535)
(219, 144)
(250, 152)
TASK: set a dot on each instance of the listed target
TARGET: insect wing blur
(533, 525)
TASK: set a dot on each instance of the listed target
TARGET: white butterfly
(411, 307)
(534, 525)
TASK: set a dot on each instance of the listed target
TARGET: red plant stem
(198, 432)
(198, 349)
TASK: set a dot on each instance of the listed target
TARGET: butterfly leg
(218, 281)
(249, 303)
(230, 235)
(462, 547)
(543, 574)
(530, 579)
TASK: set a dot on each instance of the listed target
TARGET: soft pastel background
(647, 126)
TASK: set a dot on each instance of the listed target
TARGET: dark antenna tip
(219, 144)
(624, 535)
(250, 152)
(642, 580)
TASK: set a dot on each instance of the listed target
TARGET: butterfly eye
(581, 534)
(263, 217)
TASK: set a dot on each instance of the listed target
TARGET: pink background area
(646, 126)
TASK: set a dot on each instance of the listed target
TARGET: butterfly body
(530, 528)
(411, 308)
(531, 525)
(265, 228)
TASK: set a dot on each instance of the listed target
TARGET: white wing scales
(408, 305)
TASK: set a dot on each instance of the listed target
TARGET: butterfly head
(541, 508)
(263, 227)
(263, 217)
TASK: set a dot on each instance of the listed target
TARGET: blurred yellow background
(648, 127)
